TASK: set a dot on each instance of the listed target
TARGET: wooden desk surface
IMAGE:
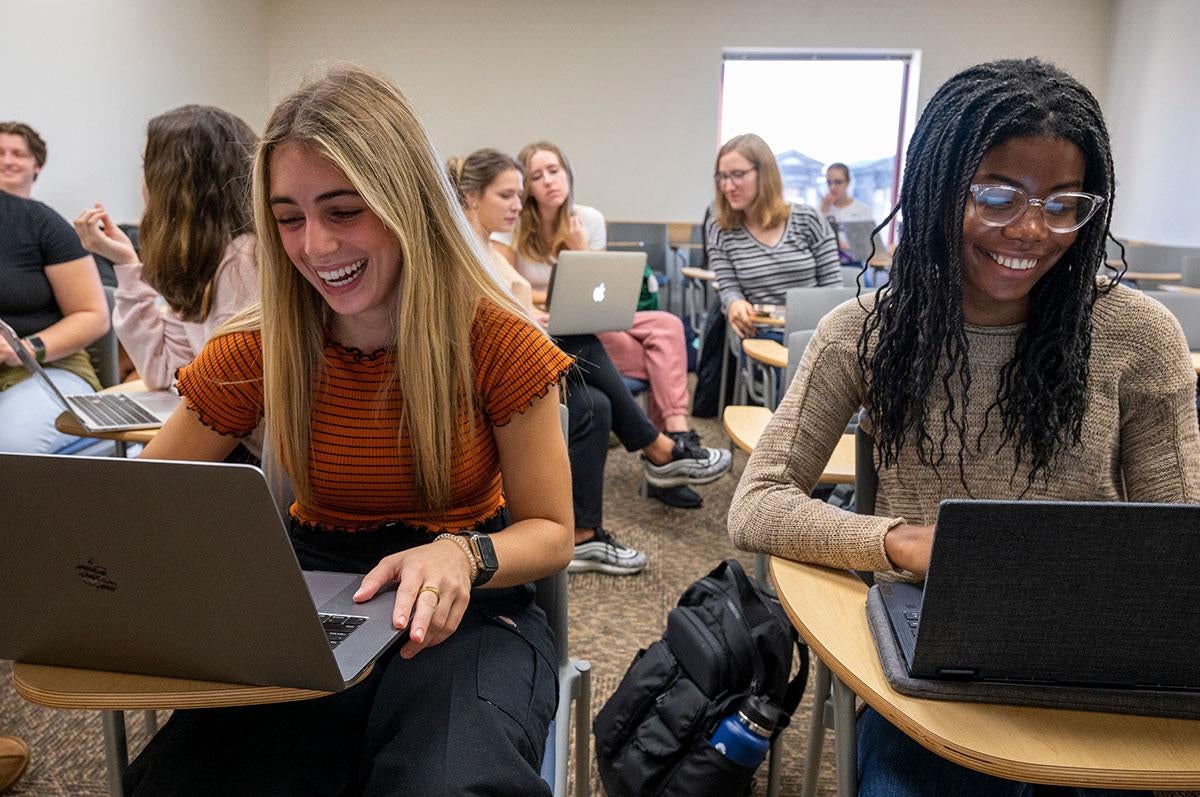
(67, 424)
(765, 351)
(702, 274)
(1196, 361)
(1179, 289)
(1072, 748)
(745, 425)
(67, 687)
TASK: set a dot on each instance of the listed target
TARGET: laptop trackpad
(323, 585)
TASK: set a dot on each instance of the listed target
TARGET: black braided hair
(918, 319)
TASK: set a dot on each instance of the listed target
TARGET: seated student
(653, 350)
(758, 244)
(371, 286)
(489, 185)
(839, 202)
(52, 297)
(994, 365)
(196, 240)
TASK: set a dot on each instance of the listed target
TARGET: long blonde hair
(366, 127)
(528, 238)
(769, 208)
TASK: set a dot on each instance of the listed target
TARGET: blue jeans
(28, 414)
(890, 764)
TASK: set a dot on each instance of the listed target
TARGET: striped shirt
(361, 476)
(806, 256)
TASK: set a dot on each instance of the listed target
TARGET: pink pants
(653, 351)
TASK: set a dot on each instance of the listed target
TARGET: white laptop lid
(594, 292)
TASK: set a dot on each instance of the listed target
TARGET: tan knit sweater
(1140, 437)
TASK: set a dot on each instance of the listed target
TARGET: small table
(1035, 745)
(1179, 289)
(67, 424)
(1196, 361)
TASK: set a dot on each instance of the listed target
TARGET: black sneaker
(691, 463)
(681, 496)
(604, 554)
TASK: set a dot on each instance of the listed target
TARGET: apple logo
(598, 293)
(96, 576)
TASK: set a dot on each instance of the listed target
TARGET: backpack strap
(795, 689)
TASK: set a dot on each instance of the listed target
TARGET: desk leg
(120, 446)
(816, 728)
(116, 752)
(845, 739)
(773, 770)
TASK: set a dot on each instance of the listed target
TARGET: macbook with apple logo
(594, 292)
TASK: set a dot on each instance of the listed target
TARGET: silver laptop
(101, 412)
(179, 569)
(858, 237)
(594, 292)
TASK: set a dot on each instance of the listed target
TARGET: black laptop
(1100, 595)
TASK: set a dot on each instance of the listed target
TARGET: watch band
(39, 348)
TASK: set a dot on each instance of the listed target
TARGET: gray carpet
(611, 618)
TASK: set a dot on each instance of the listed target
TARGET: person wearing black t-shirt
(50, 293)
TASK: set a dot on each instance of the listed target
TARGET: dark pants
(597, 401)
(890, 764)
(469, 716)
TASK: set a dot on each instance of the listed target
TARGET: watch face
(486, 551)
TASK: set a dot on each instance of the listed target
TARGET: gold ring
(430, 588)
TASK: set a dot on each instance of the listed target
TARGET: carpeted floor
(611, 618)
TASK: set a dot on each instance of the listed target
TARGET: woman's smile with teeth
(1015, 263)
(343, 275)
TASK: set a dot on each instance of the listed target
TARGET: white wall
(629, 89)
(89, 75)
(1153, 111)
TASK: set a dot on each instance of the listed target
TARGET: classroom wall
(88, 75)
(630, 89)
(1153, 112)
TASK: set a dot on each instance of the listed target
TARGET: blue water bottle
(744, 737)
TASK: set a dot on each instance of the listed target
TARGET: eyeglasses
(836, 181)
(1066, 211)
(736, 177)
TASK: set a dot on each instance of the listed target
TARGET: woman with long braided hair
(996, 364)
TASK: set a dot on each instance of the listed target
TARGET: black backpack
(727, 639)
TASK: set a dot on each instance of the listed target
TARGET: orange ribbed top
(361, 472)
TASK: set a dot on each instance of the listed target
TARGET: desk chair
(805, 307)
(654, 240)
(1186, 309)
(1191, 271)
(834, 704)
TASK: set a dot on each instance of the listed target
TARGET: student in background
(22, 158)
(406, 412)
(489, 185)
(839, 202)
(197, 240)
(950, 363)
(759, 244)
(50, 293)
(653, 350)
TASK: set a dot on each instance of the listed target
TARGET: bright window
(817, 107)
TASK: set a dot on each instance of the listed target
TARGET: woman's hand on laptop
(908, 546)
(434, 588)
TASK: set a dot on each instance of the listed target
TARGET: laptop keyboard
(913, 619)
(339, 626)
(113, 409)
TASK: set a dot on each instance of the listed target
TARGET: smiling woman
(994, 364)
(414, 407)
